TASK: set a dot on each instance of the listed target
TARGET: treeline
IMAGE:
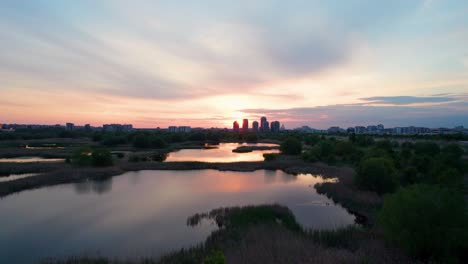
(424, 209)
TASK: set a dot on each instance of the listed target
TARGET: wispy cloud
(407, 100)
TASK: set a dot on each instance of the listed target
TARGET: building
(117, 128)
(245, 125)
(235, 126)
(351, 130)
(184, 129)
(87, 127)
(70, 126)
(275, 126)
(264, 125)
(255, 126)
(172, 129)
(334, 129)
(360, 130)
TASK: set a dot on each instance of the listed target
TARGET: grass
(269, 234)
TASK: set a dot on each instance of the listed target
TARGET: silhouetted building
(184, 129)
(255, 126)
(172, 129)
(245, 125)
(70, 126)
(87, 127)
(350, 130)
(360, 130)
(264, 125)
(275, 126)
(117, 128)
(235, 126)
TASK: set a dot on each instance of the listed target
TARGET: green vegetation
(97, 157)
(291, 146)
(216, 257)
(270, 156)
(376, 174)
(429, 222)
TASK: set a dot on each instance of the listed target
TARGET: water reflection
(29, 159)
(13, 177)
(144, 213)
(222, 153)
(96, 186)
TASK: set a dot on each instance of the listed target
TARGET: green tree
(141, 141)
(376, 174)
(429, 222)
(101, 158)
(291, 146)
(426, 148)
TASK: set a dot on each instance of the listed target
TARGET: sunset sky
(208, 63)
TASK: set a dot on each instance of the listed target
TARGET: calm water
(223, 153)
(144, 213)
(29, 159)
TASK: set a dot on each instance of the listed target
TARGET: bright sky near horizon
(208, 63)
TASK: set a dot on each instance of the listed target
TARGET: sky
(209, 63)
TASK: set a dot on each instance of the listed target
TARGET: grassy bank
(270, 234)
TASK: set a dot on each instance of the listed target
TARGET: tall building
(235, 126)
(264, 126)
(87, 127)
(255, 126)
(275, 126)
(70, 126)
(245, 125)
(172, 129)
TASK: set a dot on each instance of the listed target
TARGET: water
(29, 159)
(13, 177)
(144, 213)
(223, 153)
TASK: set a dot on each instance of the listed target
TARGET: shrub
(376, 174)
(101, 158)
(429, 222)
(270, 156)
(291, 146)
(141, 141)
(216, 257)
(427, 148)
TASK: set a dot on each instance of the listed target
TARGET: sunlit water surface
(144, 213)
(13, 177)
(29, 159)
(222, 153)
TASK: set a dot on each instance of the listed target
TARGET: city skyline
(166, 63)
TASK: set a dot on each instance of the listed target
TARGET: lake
(144, 213)
(221, 153)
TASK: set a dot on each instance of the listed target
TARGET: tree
(429, 222)
(426, 148)
(101, 158)
(376, 174)
(291, 146)
(141, 141)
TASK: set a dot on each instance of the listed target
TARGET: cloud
(407, 100)
(355, 114)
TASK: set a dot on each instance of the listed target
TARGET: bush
(427, 148)
(141, 141)
(216, 257)
(101, 158)
(291, 146)
(376, 174)
(270, 156)
(429, 222)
